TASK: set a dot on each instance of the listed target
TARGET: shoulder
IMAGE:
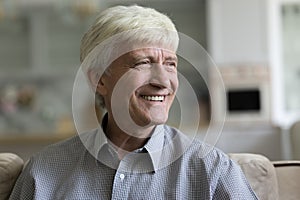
(66, 151)
(195, 150)
(209, 156)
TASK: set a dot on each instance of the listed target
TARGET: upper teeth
(153, 98)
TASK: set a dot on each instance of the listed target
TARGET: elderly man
(129, 57)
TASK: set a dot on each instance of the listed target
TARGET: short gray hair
(140, 25)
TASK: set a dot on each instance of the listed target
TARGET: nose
(159, 76)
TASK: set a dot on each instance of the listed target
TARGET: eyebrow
(172, 58)
(168, 58)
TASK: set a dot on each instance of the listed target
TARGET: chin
(151, 120)
(159, 120)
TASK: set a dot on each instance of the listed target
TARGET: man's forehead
(147, 52)
(153, 50)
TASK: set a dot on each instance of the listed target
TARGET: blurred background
(255, 45)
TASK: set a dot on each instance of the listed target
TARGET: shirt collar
(153, 147)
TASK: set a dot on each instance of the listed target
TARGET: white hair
(120, 29)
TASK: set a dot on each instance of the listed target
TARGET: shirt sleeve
(25, 187)
(232, 183)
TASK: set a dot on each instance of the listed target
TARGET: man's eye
(171, 64)
(140, 63)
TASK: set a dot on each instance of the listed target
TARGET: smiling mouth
(153, 98)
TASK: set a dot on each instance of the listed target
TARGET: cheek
(128, 84)
(137, 80)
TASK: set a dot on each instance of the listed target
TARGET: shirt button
(122, 176)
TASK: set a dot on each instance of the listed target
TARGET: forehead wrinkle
(153, 54)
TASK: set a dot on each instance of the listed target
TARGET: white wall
(249, 138)
(238, 35)
(237, 31)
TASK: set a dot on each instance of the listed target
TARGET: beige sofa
(10, 167)
(270, 180)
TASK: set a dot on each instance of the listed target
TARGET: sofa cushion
(10, 167)
(260, 173)
(288, 176)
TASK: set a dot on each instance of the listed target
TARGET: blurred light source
(84, 8)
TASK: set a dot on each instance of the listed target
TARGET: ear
(97, 82)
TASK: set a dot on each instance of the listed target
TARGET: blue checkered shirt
(169, 166)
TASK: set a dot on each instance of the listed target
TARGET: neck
(126, 142)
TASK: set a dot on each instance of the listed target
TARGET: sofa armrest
(260, 173)
(10, 167)
(288, 176)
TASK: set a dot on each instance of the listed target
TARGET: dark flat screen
(243, 100)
